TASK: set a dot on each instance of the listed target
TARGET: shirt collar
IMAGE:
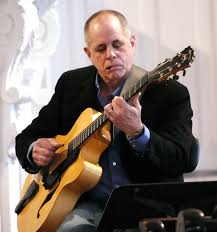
(116, 92)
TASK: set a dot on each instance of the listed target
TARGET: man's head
(110, 44)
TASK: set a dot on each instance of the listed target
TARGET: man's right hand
(43, 151)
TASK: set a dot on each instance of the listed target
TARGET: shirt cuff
(29, 154)
(141, 144)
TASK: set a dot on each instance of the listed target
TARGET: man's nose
(110, 53)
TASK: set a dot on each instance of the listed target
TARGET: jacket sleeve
(171, 137)
(170, 144)
(47, 124)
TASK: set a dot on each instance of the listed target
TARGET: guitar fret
(94, 126)
(174, 64)
(86, 134)
(104, 117)
(91, 129)
(135, 87)
(78, 140)
(97, 122)
(82, 136)
(76, 143)
(73, 143)
(100, 120)
(128, 95)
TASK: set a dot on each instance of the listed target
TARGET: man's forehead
(105, 22)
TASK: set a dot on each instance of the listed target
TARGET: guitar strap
(134, 76)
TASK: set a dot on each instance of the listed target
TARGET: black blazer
(166, 111)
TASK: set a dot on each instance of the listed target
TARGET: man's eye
(101, 48)
(117, 45)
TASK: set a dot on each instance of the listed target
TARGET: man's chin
(117, 74)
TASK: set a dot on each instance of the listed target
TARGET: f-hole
(47, 199)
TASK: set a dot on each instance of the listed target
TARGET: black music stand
(129, 204)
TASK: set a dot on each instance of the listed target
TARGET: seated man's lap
(85, 217)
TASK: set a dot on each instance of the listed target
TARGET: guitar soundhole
(47, 199)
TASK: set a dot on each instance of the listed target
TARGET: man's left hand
(125, 115)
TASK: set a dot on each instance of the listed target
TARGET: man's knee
(74, 223)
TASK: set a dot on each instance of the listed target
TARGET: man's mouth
(113, 67)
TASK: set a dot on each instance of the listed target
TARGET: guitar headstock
(180, 62)
(163, 71)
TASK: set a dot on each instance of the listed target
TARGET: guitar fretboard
(162, 71)
(99, 121)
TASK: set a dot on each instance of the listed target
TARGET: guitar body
(48, 208)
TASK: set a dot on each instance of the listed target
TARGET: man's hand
(43, 151)
(125, 116)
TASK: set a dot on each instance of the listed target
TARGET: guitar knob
(152, 225)
(190, 220)
(175, 77)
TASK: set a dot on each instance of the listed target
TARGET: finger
(44, 143)
(42, 162)
(119, 105)
(48, 143)
(110, 114)
(44, 159)
(135, 101)
(108, 108)
(38, 150)
(116, 108)
(55, 144)
(119, 101)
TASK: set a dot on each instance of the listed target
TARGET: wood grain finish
(45, 215)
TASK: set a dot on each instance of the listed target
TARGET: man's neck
(109, 87)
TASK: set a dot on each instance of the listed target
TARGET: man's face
(110, 49)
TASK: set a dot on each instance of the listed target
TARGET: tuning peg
(166, 60)
(184, 72)
(166, 83)
(175, 77)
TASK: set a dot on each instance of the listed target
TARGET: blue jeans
(84, 218)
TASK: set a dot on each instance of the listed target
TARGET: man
(152, 137)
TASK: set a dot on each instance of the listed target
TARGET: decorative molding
(26, 42)
(29, 33)
(15, 38)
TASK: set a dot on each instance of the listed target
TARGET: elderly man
(153, 135)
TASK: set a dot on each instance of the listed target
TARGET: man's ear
(87, 51)
(133, 40)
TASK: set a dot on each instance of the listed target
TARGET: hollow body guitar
(48, 196)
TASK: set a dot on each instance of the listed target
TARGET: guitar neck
(163, 71)
(99, 121)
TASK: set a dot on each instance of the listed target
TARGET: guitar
(48, 196)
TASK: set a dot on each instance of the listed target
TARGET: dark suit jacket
(166, 111)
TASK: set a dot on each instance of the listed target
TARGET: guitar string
(82, 136)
